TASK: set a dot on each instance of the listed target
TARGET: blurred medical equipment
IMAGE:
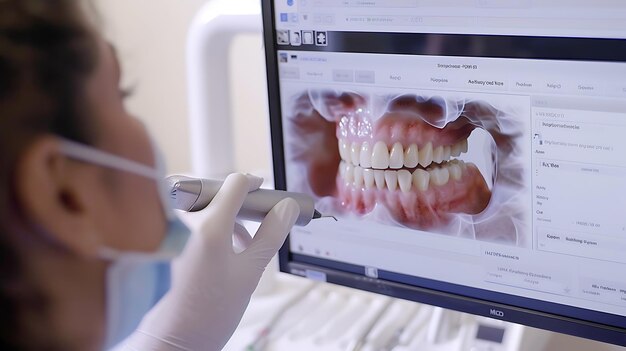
(301, 316)
(194, 194)
(210, 37)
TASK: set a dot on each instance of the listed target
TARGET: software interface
(497, 173)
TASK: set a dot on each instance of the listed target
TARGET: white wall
(150, 37)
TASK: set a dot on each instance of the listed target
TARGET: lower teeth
(419, 180)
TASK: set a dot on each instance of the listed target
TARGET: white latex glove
(211, 284)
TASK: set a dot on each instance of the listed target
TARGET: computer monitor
(473, 152)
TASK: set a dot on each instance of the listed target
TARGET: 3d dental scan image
(425, 162)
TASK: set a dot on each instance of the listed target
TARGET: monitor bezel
(502, 311)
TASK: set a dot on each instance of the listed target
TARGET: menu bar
(449, 73)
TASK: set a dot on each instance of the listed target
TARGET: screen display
(474, 149)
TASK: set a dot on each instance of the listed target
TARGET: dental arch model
(398, 159)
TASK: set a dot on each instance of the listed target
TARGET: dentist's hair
(47, 52)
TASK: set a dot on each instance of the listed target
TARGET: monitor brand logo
(496, 313)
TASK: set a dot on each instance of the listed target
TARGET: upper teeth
(379, 156)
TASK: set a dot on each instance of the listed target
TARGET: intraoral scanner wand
(194, 194)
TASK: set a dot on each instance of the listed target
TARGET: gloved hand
(211, 284)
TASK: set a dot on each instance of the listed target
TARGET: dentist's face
(131, 214)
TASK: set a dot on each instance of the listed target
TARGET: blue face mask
(135, 281)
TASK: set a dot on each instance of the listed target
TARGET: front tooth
(455, 171)
(349, 177)
(404, 180)
(355, 153)
(380, 156)
(447, 151)
(358, 177)
(456, 149)
(439, 176)
(366, 155)
(411, 157)
(368, 177)
(438, 154)
(391, 179)
(396, 158)
(463, 145)
(379, 179)
(421, 179)
(426, 154)
(344, 150)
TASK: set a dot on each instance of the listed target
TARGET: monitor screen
(472, 152)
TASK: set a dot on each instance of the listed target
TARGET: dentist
(91, 255)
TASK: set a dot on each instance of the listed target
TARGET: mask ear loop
(90, 154)
(174, 243)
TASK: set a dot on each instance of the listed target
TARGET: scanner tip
(317, 214)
